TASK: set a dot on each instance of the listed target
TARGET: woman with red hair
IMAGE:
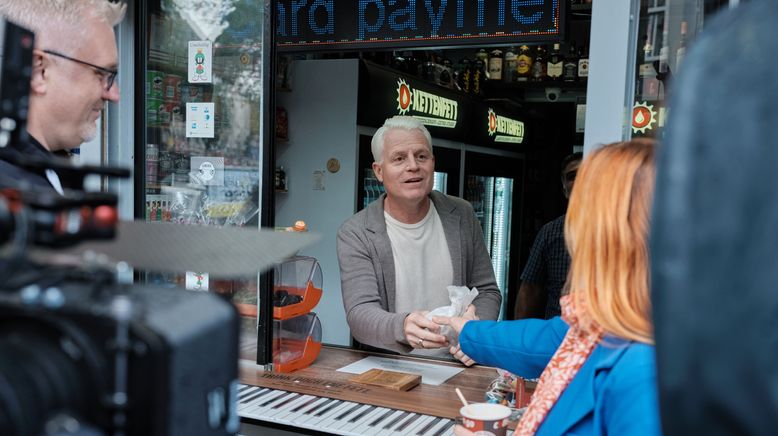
(596, 362)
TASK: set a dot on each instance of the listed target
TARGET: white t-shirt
(422, 266)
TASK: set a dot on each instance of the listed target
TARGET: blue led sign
(341, 24)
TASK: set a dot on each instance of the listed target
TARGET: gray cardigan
(367, 273)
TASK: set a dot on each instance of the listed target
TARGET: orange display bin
(296, 342)
(297, 287)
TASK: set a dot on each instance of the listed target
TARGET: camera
(553, 94)
(79, 352)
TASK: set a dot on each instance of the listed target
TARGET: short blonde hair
(53, 20)
(606, 232)
(403, 122)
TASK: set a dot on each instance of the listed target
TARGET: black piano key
(391, 423)
(305, 404)
(266, 403)
(249, 392)
(256, 395)
(328, 408)
(411, 419)
(359, 415)
(428, 426)
(347, 412)
(445, 428)
(318, 406)
(286, 401)
(381, 417)
(244, 387)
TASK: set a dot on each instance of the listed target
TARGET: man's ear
(377, 171)
(40, 73)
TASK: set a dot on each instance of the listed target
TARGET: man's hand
(421, 332)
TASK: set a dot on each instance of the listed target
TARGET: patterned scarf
(564, 365)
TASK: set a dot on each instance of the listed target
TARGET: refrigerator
(202, 115)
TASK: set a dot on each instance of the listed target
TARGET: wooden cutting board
(398, 381)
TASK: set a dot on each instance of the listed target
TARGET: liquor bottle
(483, 56)
(477, 76)
(495, 65)
(664, 54)
(465, 76)
(555, 64)
(523, 64)
(570, 68)
(509, 66)
(583, 62)
(681, 52)
(539, 65)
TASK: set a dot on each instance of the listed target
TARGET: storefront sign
(431, 109)
(339, 24)
(643, 116)
(504, 129)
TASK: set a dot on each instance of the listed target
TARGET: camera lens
(43, 373)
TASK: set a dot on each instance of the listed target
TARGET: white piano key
(390, 421)
(289, 409)
(401, 422)
(322, 413)
(329, 420)
(361, 425)
(433, 430)
(248, 392)
(265, 407)
(405, 423)
(448, 429)
(254, 398)
(280, 407)
(352, 416)
(375, 425)
(417, 425)
(258, 404)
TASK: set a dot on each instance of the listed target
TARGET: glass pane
(665, 31)
(203, 126)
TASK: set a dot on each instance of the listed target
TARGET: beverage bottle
(465, 76)
(477, 77)
(539, 65)
(681, 52)
(523, 64)
(495, 65)
(555, 64)
(509, 66)
(664, 55)
(583, 62)
(570, 68)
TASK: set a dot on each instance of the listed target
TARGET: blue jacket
(613, 393)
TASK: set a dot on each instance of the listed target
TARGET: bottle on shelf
(583, 62)
(483, 56)
(539, 65)
(509, 66)
(523, 64)
(280, 179)
(555, 64)
(495, 65)
(477, 76)
(681, 52)
(570, 68)
(664, 54)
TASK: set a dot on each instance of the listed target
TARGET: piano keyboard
(335, 416)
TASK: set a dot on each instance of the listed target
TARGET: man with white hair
(398, 255)
(74, 71)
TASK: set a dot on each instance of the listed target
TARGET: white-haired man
(398, 255)
(74, 69)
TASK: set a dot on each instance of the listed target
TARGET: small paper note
(199, 120)
(200, 62)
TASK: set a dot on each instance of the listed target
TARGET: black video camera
(79, 352)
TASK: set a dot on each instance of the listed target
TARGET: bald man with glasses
(75, 63)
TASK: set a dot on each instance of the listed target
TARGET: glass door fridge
(493, 188)
(202, 124)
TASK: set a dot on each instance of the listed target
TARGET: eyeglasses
(107, 74)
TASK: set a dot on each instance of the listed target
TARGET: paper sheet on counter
(431, 374)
